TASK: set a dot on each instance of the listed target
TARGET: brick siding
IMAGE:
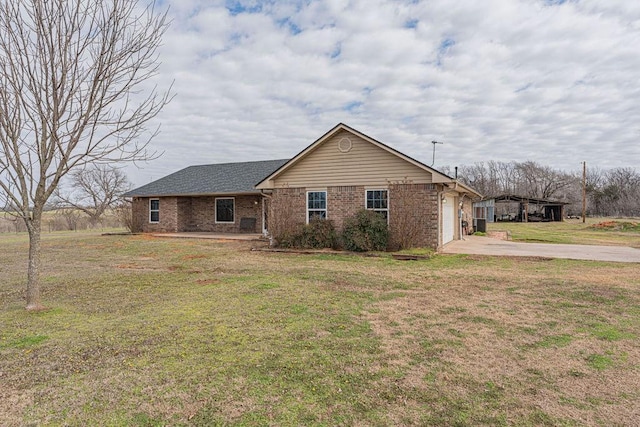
(345, 201)
(420, 210)
(184, 214)
(199, 214)
(168, 215)
(180, 214)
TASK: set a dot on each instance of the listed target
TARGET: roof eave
(228, 193)
(437, 177)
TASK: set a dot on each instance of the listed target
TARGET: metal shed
(510, 207)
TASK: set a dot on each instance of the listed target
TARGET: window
(378, 201)
(225, 209)
(154, 210)
(316, 205)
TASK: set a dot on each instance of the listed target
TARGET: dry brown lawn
(148, 331)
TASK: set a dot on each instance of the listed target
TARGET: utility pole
(433, 159)
(584, 191)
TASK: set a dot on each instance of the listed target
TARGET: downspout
(265, 232)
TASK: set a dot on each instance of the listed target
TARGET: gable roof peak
(438, 177)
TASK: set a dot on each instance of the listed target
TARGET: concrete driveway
(482, 245)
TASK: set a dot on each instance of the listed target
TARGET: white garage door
(448, 219)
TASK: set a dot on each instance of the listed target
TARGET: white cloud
(549, 81)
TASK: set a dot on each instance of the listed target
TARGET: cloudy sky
(556, 82)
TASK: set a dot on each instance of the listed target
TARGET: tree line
(611, 192)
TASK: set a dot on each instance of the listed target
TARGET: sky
(555, 82)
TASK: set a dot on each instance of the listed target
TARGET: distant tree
(124, 214)
(491, 178)
(93, 190)
(622, 192)
(613, 192)
(527, 179)
(478, 177)
(70, 217)
(74, 90)
(543, 182)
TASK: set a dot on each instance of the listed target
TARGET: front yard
(148, 331)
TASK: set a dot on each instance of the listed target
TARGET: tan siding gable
(362, 164)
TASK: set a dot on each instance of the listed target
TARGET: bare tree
(74, 90)
(491, 178)
(93, 190)
(70, 217)
(540, 181)
(527, 179)
(124, 213)
(615, 192)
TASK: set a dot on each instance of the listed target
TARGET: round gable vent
(344, 145)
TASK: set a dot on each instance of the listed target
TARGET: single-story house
(340, 173)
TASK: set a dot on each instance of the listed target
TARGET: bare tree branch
(74, 90)
(93, 190)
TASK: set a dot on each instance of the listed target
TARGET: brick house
(219, 198)
(338, 174)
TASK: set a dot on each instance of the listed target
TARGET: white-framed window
(378, 201)
(225, 209)
(154, 210)
(316, 205)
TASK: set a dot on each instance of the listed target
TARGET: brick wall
(179, 214)
(287, 207)
(415, 206)
(345, 201)
(168, 215)
(198, 214)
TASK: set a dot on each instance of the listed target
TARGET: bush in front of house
(318, 234)
(288, 237)
(365, 231)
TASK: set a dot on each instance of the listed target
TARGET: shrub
(318, 234)
(288, 237)
(365, 231)
(406, 224)
(282, 222)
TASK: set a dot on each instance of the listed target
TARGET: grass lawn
(596, 231)
(145, 331)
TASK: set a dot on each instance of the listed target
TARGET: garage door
(448, 219)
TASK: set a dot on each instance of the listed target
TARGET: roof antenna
(433, 160)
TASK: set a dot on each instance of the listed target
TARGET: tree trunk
(33, 271)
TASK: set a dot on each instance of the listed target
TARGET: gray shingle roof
(210, 179)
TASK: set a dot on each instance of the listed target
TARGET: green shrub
(288, 237)
(365, 231)
(318, 234)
